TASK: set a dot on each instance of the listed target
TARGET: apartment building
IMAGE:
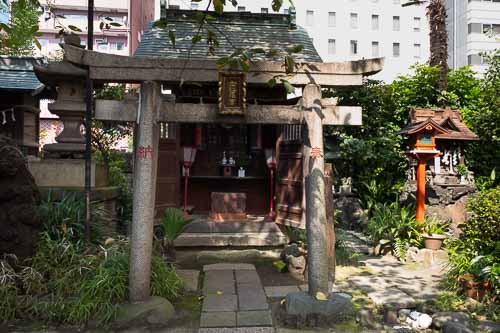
(56, 13)
(352, 29)
(473, 29)
(4, 11)
(74, 12)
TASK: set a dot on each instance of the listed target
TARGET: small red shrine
(436, 135)
(423, 136)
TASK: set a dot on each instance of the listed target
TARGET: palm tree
(436, 13)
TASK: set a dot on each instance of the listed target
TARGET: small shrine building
(242, 129)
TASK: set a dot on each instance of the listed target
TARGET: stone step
(244, 239)
(231, 227)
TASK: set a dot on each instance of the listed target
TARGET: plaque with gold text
(232, 93)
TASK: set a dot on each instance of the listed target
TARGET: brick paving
(234, 297)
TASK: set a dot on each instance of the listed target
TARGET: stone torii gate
(151, 109)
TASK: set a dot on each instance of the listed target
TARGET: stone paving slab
(254, 318)
(229, 266)
(219, 281)
(249, 300)
(392, 297)
(247, 277)
(280, 291)
(218, 319)
(220, 303)
(190, 277)
(238, 330)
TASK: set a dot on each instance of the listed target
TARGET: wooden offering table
(228, 206)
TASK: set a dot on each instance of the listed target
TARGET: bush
(69, 283)
(477, 251)
(482, 230)
(395, 226)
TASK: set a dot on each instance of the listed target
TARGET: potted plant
(434, 234)
(482, 273)
(463, 172)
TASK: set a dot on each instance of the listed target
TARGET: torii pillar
(145, 165)
(316, 220)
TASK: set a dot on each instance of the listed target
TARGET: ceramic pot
(433, 241)
(473, 289)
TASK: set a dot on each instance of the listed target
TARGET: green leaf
(171, 36)
(37, 43)
(288, 87)
(196, 39)
(74, 28)
(289, 64)
(219, 6)
(296, 48)
(115, 24)
(276, 5)
(272, 82)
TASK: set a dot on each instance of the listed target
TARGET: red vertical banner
(259, 137)
(198, 135)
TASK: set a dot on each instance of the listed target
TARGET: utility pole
(88, 120)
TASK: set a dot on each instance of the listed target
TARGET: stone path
(233, 297)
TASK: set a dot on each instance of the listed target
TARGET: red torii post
(423, 135)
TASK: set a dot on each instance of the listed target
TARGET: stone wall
(444, 202)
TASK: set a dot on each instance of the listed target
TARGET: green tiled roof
(233, 30)
(16, 74)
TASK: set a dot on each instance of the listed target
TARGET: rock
(403, 314)
(451, 327)
(351, 214)
(391, 315)
(19, 198)
(291, 250)
(488, 326)
(301, 304)
(296, 266)
(155, 311)
(429, 257)
(411, 254)
(366, 319)
(440, 318)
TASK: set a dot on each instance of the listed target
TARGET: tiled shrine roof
(449, 119)
(233, 30)
(16, 74)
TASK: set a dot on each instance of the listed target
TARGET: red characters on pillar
(143, 153)
(316, 153)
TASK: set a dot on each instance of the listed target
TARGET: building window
(416, 24)
(395, 49)
(396, 24)
(332, 48)
(354, 20)
(332, 19)
(286, 11)
(375, 49)
(416, 48)
(474, 28)
(474, 59)
(309, 18)
(375, 22)
(194, 5)
(43, 43)
(354, 47)
(241, 8)
(489, 29)
(264, 10)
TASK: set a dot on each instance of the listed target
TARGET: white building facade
(473, 29)
(345, 30)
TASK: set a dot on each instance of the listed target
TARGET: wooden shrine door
(289, 176)
(168, 175)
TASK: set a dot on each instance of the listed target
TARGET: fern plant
(173, 223)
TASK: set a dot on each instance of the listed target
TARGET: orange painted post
(421, 190)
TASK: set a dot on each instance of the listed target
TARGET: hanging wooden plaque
(232, 93)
